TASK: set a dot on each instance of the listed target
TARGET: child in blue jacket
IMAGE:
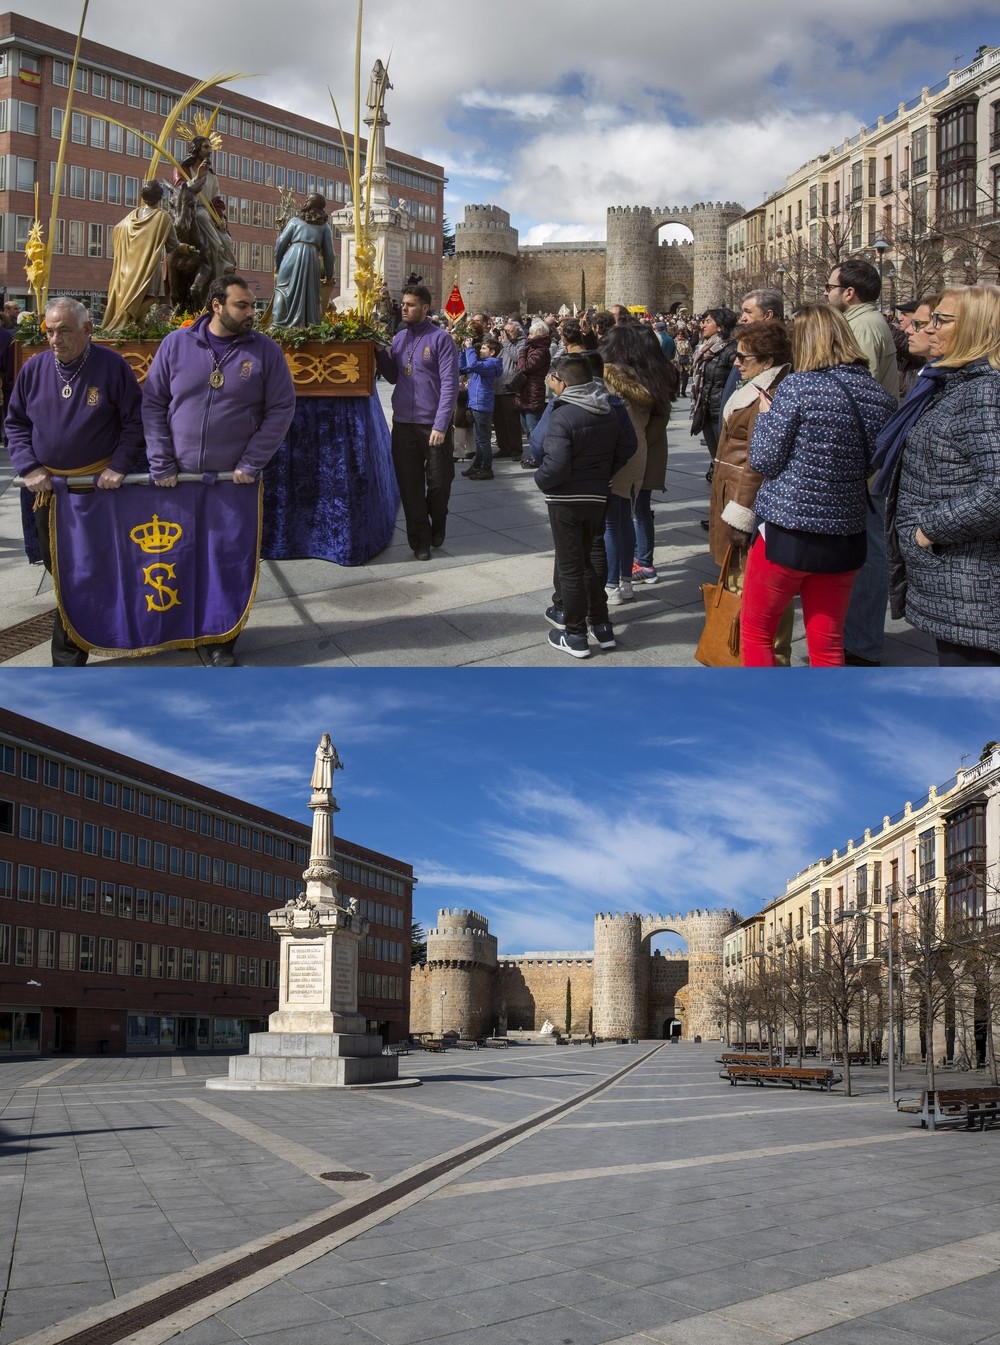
(483, 372)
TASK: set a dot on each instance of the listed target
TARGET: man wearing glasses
(853, 289)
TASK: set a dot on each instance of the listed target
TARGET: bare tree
(930, 981)
(839, 979)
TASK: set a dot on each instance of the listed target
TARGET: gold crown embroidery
(155, 537)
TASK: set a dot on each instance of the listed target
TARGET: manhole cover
(345, 1176)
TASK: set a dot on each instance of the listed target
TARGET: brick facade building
(265, 150)
(133, 905)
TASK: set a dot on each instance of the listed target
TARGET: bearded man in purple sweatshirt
(422, 363)
(74, 414)
(218, 398)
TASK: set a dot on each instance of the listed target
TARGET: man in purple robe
(422, 362)
(74, 414)
(218, 398)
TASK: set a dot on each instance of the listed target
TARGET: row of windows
(99, 789)
(371, 985)
(95, 896)
(49, 949)
(231, 124)
(381, 950)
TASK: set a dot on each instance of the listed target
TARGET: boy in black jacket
(585, 445)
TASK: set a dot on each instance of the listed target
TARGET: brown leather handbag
(719, 646)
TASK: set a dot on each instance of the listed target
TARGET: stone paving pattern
(479, 602)
(671, 1207)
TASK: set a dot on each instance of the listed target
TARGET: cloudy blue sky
(556, 112)
(542, 797)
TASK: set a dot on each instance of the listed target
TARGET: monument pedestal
(312, 1060)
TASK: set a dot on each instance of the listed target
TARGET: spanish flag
(32, 77)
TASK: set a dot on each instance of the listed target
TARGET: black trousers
(581, 568)
(424, 474)
(965, 656)
(66, 653)
(507, 426)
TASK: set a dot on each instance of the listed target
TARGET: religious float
(329, 493)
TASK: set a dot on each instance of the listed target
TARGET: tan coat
(647, 468)
(734, 482)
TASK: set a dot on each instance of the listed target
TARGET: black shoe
(437, 540)
(704, 523)
(555, 617)
(218, 655)
(531, 466)
(470, 471)
(710, 473)
(856, 661)
(480, 474)
(421, 553)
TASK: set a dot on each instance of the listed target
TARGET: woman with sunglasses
(941, 477)
(763, 356)
(813, 450)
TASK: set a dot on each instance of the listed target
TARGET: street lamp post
(890, 897)
(780, 272)
(443, 995)
(881, 246)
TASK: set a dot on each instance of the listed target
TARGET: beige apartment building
(918, 192)
(933, 869)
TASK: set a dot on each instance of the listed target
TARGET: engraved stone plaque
(305, 973)
(344, 973)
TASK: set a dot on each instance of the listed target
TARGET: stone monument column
(389, 225)
(318, 962)
(316, 1038)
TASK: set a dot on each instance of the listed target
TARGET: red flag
(30, 77)
(456, 304)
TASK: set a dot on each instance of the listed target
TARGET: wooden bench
(977, 1105)
(742, 1058)
(466, 1044)
(432, 1044)
(497, 1043)
(396, 1048)
(781, 1075)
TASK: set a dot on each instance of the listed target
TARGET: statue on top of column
(327, 761)
(378, 86)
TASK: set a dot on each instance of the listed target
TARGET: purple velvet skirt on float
(330, 491)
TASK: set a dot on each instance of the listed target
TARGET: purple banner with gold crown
(146, 569)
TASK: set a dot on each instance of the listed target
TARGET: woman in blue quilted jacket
(813, 449)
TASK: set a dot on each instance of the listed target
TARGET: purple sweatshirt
(193, 427)
(101, 419)
(428, 394)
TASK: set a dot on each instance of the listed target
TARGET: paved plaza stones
(665, 1207)
(480, 603)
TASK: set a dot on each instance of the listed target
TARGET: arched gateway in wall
(620, 988)
(633, 268)
(638, 265)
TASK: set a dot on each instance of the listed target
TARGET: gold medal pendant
(67, 391)
(216, 378)
(407, 370)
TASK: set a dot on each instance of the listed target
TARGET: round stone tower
(485, 260)
(462, 961)
(631, 256)
(619, 1001)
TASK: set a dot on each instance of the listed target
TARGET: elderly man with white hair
(506, 420)
(75, 411)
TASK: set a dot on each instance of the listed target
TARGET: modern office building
(265, 151)
(133, 905)
(919, 191)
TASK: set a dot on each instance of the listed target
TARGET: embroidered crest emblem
(246, 368)
(93, 396)
(427, 353)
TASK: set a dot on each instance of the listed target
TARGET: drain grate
(346, 1176)
(25, 635)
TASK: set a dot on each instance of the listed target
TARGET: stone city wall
(532, 990)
